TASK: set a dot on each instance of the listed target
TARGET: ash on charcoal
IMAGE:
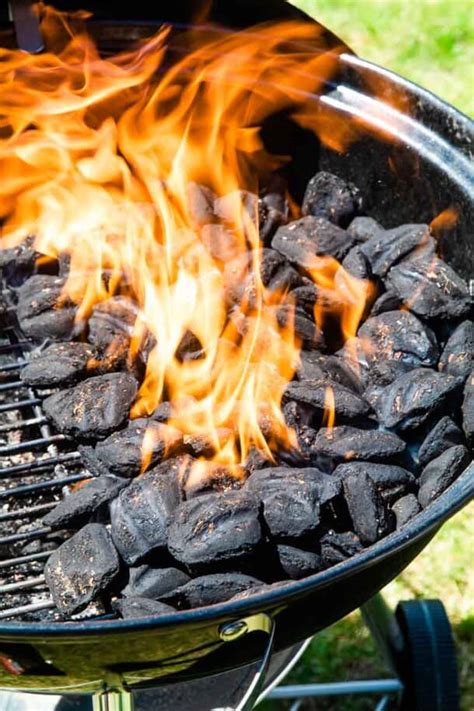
(457, 357)
(366, 507)
(129, 452)
(60, 364)
(405, 508)
(216, 477)
(355, 263)
(443, 435)
(297, 563)
(330, 197)
(112, 322)
(94, 408)
(388, 301)
(80, 505)
(82, 568)
(337, 547)
(468, 410)
(44, 311)
(348, 406)
(200, 204)
(215, 529)
(221, 243)
(302, 241)
(146, 581)
(384, 372)
(413, 397)
(398, 335)
(315, 366)
(291, 501)
(131, 608)
(430, 288)
(211, 589)
(390, 481)
(364, 228)
(142, 512)
(346, 443)
(386, 248)
(441, 472)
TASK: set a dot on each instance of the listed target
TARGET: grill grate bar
(22, 424)
(22, 559)
(22, 585)
(25, 536)
(12, 385)
(27, 446)
(27, 512)
(11, 367)
(44, 485)
(25, 609)
(73, 458)
(12, 347)
(11, 406)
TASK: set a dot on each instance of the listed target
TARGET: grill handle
(120, 700)
(27, 27)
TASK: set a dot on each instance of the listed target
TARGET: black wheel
(428, 660)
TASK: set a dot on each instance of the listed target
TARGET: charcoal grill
(432, 144)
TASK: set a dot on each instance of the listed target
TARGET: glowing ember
(98, 159)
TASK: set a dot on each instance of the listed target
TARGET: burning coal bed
(382, 422)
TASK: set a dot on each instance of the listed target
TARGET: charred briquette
(112, 322)
(388, 301)
(131, 608)
(272, 213)
(344, 443)
(44, 311)
(302, 241)
(316, 366)
(142, 512)
(291, 502)
(256, 460)
(330, 197)
(390, 481)
(201, 204)
(237, 207)
(297, 563)
(204, 445)
(82, 568)
(398, 335)
(441, 472)
(348, 406)
(81, 504)
(304, 327)
(364, 228)
(146, 581)
(443, 435)
(215, 529)
(468, 410)
(457, 357)
(18, 263)
(386, 248)
(163, 412)
(94, 408)
(366, 507)
(210, 589)
(221, 242)
(355, 263)
(275, 273)
(216, 477)
(60, 364)
(405, 508)
(189, 348)
(337, 547)
(384, 372)
(412, 398)
(140, 446)
(430, 288)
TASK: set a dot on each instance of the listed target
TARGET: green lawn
(432, 43)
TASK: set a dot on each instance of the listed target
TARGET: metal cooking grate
(35, 466)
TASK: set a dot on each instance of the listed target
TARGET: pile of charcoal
(403, 394)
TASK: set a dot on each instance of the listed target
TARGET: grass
(430, 42)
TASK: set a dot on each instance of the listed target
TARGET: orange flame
(97, 156)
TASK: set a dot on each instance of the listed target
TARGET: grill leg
(120, 700)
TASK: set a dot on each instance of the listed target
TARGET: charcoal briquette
(364, 228)
(200, 204)
(398, 335)
(216, 477)
(94, 408)
(457, 357)
(132, 608)
(298, 563)
(344, 443)
(405, 508)
(337, 547)
(112, 322)
(82, 568)
(388, 301)
(237, 207)
(304, 240)
(221, 242)
(412, 398)
(441, 472)
(44, 310)
(140, 446)
(141, 513)
(83, 502)
(347, 404)
(330, 197)
(215, 529)
(304, 327)
(390, 481)
(211, 589)
(147, 581)
(60, 364)
(356, 264)
(389, 247)
(366, 507)
(315, 366)
(384, 372)
(442, 436)
(468, 410)
(430, 288)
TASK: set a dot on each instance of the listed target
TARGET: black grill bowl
(430, 145)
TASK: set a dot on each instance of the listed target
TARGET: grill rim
(423, 526)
